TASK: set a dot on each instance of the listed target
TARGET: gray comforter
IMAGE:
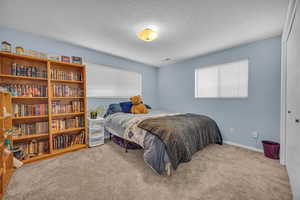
(183, 135)
(125, 125)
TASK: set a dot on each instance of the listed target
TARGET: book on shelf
(76, 60)
(63, 124)
(27, 90)
(65, 75)
(71, 107)
(29, 71)
(21, 110)
(24, 129)
(66, 59)
(24, 151)
(67, 140)
(67, 91)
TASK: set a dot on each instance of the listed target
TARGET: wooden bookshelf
(7, 77)
(6, 158)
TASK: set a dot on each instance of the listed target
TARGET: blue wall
(259, 112)
(172, 87)
(30, 41)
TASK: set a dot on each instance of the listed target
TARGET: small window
(228, 80)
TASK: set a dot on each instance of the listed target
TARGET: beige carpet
(108, 173)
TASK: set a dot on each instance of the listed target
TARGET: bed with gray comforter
(167, 138)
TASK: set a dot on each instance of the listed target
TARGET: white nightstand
(96, 132)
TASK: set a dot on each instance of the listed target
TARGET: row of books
(31, 71)
(24, 151)
(67, 91)
(62, 124)
(20, 110)
(73, 106)
(65, 75)
(24, 129)
(26, 90)
(66, 140)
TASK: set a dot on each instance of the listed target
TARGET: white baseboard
(243, 146)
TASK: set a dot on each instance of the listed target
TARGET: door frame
(283, 107)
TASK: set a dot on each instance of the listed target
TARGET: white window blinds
(228, 80)
(109, 82)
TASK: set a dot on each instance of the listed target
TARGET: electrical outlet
(255, 134)
(231, 130)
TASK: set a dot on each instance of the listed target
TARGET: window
(110, 82)
(228, 80)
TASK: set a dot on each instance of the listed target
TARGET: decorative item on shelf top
(32, 53)
(43, 55)
(94, 112)
(66, 59)
(6, 46)
(19, 50)
(53, 57)
(76, 60)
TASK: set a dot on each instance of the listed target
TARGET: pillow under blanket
(113, 108)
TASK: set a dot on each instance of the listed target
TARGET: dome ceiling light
(147, 35)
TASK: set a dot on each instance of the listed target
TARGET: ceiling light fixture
(147, 35)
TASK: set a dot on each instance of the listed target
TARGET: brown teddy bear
(138, 107)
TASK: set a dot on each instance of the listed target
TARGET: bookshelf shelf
(25, 97)
(30, 117)
(71, 148)
(58, 98)
(67, 114)
(6, 117)
(55, 153)
(24, 57)
(67, 130)
(67, 81)
(22, 77)
(20, 138)
(7, 63)
(36, 158)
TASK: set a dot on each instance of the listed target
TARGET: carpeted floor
(108, 173)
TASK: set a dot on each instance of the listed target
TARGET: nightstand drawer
(96, 123)
(96, 132)
(96, 141)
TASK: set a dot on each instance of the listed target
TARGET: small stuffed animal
(138, 107)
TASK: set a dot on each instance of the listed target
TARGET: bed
(168, 139)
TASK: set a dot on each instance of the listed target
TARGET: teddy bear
(137, 105)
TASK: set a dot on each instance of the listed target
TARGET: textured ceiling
(186, 28)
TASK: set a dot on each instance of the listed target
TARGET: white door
(293, 106)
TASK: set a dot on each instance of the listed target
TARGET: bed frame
(169, 169)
